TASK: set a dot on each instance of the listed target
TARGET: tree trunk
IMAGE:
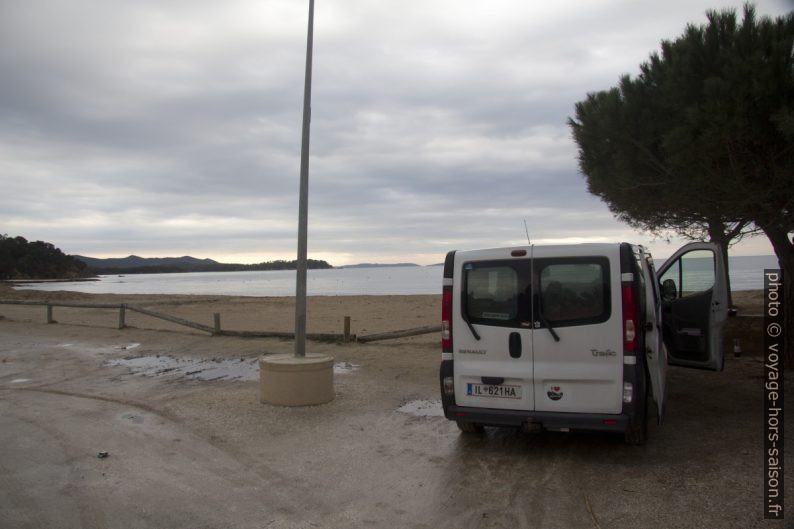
(784, 249)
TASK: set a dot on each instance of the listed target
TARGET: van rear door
(655, 351)
(577, 337)
(694, 296)
(491, 328)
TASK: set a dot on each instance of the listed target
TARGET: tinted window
(492, 293)
(567, 291)
(575, 292)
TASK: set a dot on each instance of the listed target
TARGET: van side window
(574, 293)
(692, 273)
(491, 294)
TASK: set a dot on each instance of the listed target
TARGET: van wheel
(638, 435)
(470, 427)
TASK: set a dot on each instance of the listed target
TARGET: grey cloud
(154, 127)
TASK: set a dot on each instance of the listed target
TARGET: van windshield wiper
(471, 327)
(544, 321)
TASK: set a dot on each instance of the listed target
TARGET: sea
(746, 273)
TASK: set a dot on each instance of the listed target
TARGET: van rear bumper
(547, 420)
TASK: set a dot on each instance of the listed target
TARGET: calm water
(746, 274)
(334, 282)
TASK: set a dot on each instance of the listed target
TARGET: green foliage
(703, 136)
(702, 141)
(20, 259)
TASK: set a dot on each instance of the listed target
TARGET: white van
(575, 337)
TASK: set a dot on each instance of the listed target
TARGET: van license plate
(488, 390)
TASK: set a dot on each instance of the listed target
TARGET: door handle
(514, 344)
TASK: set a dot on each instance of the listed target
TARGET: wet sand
(186, 451)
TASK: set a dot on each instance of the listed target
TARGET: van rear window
(491, 293)
(563, 292)
(572, 293)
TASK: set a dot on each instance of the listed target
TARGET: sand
(189, 449)
(325, 314)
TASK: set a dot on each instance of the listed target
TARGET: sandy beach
(186, 451)
(325, 314)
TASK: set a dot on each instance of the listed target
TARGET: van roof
(589, 246)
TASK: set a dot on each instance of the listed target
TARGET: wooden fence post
(347, 329)
(217, 323)
(49, 314)
(122, 316)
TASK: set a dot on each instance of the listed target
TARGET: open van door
(694, 296)
(655, 351)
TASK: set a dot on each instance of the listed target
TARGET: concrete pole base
(285, 380)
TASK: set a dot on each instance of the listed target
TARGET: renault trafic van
(575, 337)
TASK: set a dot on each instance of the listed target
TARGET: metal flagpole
(303, 207)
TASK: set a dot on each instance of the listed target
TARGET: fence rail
(416, 331)
(216, 329)
(73, 304)
(172, 319)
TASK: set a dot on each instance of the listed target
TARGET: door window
(692, 273)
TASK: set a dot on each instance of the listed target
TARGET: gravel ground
(186, 450)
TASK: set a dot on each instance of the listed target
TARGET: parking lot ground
(187, 452)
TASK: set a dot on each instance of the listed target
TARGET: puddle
(84, 347)
(127, 347)
(227, 369)
(20, 380)
(422, 408)
(241, 369)
(343, 368)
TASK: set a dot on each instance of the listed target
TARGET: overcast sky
(168, 128)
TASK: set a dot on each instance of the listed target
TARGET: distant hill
(20, 259)
(377, 265)
(133, 261)
(166, 265)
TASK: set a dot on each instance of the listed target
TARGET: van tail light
(446, 320)
(630, 319)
